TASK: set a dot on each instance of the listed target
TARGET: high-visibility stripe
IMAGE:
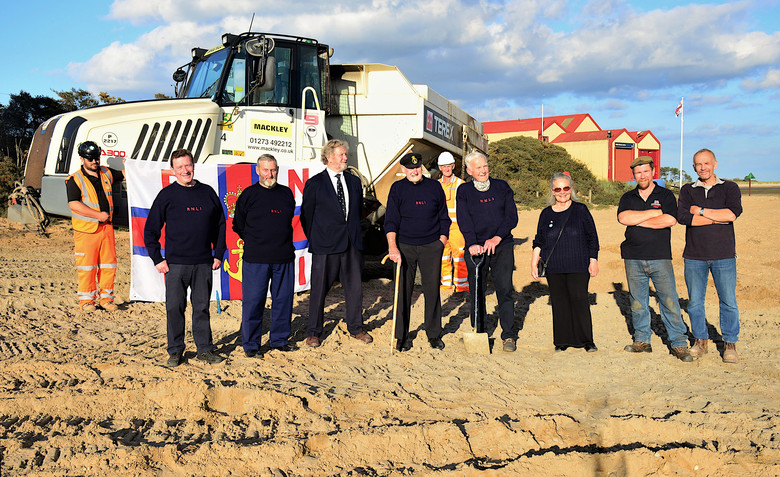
(89, 198)
(106, 265)
(87, 267)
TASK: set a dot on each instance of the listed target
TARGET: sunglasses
(92, 160)
(565, 189)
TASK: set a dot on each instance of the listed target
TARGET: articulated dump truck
(263, 93)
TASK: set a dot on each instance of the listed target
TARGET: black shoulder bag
(542, 265)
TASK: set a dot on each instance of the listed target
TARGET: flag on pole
(678, 111)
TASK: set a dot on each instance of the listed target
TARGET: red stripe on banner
(302, 271)
(236, 178)
(166, 177)
(298, 234)
(137, 239)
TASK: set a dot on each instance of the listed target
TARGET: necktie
(340, 194)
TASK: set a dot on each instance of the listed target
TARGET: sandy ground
(85, 394)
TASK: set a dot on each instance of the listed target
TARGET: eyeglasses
(565, 189)
(92, 160)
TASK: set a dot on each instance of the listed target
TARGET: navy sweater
(579, 241)
(194, 225)
(417, 213)
(484, 215)
(263, 220)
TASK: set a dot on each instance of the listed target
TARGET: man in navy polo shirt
(708, 209)
(417, 226)
(649, 213)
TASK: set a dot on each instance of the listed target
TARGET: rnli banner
(146, 178)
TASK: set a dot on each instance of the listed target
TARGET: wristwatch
(701, 211)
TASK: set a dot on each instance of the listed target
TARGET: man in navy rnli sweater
(486, 216)
(263, 220)
(417, 226)
(194, 246)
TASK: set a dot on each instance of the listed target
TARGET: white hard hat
(445, 158)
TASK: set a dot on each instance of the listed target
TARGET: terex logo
(429, 120)
(443, 129)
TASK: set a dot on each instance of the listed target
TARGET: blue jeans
(724, 275)
(639, 273)
(255, 278)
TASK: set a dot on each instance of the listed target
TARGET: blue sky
(627, 63)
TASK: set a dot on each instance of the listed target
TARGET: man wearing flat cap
(649, 212)
(417, 227)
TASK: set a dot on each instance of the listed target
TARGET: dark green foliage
(9, 173)
(528, 164)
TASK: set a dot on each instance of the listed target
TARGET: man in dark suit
(330, 215)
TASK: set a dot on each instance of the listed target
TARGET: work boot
(109, 306)
(639, 347)
(87, 306)
(682, 353)
(210, 357)
(174, 360)
(509, 345)
(730, 353)
(699, 348)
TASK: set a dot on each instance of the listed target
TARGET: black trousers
(198, 278)
(572, 323)
(501, 265)
(347, 267)
(428, 258)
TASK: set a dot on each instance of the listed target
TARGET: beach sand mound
(86, 394)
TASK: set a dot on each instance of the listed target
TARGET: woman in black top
(571, 261)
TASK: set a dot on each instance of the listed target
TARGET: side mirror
(266, 78)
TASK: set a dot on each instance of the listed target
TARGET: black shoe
(561, 348)
(210, 357)
(173, 360)
(253, 354)
(285, 348)
(591, 348)
(403, 345)
(436, 343)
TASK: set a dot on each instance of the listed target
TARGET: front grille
(157, 141)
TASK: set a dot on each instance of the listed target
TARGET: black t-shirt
(74, 193)
(643, 243)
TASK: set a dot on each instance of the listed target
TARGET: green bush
(9, 173)
(527, 164)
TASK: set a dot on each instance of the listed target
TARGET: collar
(699, 183)
(332, 174)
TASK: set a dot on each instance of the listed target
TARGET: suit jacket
(322, 219)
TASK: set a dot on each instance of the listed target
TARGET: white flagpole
(542, 130)
(682, 116)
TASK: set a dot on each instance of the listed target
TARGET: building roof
(568, 123)
(587, 136)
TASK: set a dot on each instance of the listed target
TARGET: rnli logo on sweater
(420, 202)
(489, 199)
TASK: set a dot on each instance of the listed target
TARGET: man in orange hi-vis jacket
(453, 269)
(92, 208)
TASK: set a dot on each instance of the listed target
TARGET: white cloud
(769, 80)
(466, 50)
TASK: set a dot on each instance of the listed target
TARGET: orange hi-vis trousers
(453, 266)
(96, 264)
